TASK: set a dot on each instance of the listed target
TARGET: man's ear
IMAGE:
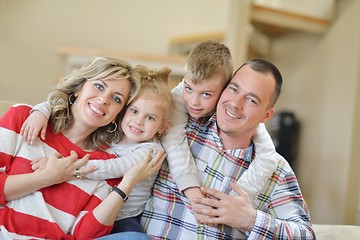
(269, 114)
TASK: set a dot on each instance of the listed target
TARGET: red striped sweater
(62, 211)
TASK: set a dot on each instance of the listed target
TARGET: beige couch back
(4, 106)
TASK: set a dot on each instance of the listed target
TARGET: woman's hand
(57, 169)
(107, 211)
(39, 164)
(144, 169)
(60, 169)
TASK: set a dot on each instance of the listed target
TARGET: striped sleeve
(286, 215)
(176, 146)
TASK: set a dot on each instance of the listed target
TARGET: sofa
(4, 106)
(323, 232)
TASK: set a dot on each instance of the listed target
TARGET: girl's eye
(151, 118)
(99, 86)
(133, 110)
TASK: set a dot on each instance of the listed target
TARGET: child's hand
(36, 122)
(39, 164)
(195, 193)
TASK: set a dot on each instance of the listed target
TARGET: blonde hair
(209, 59)
(100, 68)
(155, 83)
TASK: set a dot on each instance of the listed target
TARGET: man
(223, 150)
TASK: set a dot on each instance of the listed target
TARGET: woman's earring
(113, 130)
(71, 99)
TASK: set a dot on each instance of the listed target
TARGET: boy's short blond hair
(209, 59)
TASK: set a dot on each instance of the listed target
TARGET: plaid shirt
(281, 210)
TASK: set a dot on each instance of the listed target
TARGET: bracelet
(120, 192)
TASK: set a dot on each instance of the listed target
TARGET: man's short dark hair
(264, 66)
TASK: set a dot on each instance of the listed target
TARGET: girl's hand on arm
(195, 193)
(39, 164)
(36, 122)
(61, 169)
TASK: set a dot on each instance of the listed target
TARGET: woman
(56, 203)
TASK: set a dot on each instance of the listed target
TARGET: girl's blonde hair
(155, 83)
(98, 69)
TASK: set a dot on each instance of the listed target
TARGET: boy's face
(201, 98)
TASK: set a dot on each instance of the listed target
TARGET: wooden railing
(77, 55)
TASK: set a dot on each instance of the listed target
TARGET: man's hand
(234, 211)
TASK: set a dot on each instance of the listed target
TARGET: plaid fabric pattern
(281, 214)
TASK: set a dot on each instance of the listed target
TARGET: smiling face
(201, 98)
(143, 119)
(99, 102)
(244, 104)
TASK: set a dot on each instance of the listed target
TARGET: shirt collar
(246, 154)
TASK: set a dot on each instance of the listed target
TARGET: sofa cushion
(4, 106)
(336, 232)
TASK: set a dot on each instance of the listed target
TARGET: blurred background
(315, 44)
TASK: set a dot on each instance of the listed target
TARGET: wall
(322, 88)
(32, 30)
(321, 74)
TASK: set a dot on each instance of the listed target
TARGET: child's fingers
(36, 160)
(31, 136)
(43, 132)
(24, 131)
(82, 161)
(86, 170)
(35, 166)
